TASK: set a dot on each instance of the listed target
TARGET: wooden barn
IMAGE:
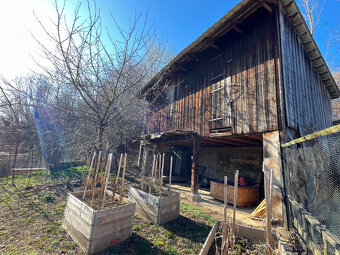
(251, 82)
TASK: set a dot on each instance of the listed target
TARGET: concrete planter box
(97, 230)
(159, 210)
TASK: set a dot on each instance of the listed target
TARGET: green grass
(31, 214)
(69, 173)
(197, 213)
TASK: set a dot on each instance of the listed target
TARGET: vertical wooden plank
(107, 175)
(195, 166)
(89, 174)
(170, 174)
(123, 178)
(233, 226)
(114, 189)
(140, 152)
(268, 197)
(95, 178)
(225, 230)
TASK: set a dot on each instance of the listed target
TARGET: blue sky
(182, 22)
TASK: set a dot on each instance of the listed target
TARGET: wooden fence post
(268, 183)
(233, 226)
(123, 177)
(170, 174)
(89, 173)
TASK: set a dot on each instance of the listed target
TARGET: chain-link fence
(312, 180)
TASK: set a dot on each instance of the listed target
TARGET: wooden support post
(144, 169)
(268, 184)
(152, 170)
(123, 177)
(194, 170)
(89, 173)
(115, 187)
(94, 186)
(107, 174)
(161, 176)
(170, 174)
(140, 152)
(225, 230)
(233, 226)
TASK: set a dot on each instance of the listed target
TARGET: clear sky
(181, 20)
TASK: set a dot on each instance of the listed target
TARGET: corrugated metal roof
(301, 30)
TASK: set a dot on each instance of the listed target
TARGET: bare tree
(102, 73)
(336, 102)
(312, 10)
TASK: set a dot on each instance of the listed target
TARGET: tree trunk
(100, 135)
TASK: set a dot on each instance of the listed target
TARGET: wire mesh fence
(312, 180)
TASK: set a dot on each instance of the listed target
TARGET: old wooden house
(251, 82)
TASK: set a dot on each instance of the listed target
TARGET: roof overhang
(227, 22)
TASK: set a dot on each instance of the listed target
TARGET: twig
(89, 174)
(123, 177)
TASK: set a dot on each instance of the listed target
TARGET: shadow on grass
(187, 228)
(134, 245)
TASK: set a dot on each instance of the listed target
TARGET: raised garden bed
(96, 230)
(247, 196)
(159, 210)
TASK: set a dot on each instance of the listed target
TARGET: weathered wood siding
(234, 86)
(307, 102)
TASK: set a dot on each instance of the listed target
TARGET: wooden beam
(195, 166)
(236, 29)
(181, 68)
(292, 16)
(214, 46)
(266, 6)
(285, 7)
(244, 141)
(192, 56)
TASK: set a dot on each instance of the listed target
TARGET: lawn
(31, 214)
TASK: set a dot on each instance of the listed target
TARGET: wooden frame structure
(255, 79)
